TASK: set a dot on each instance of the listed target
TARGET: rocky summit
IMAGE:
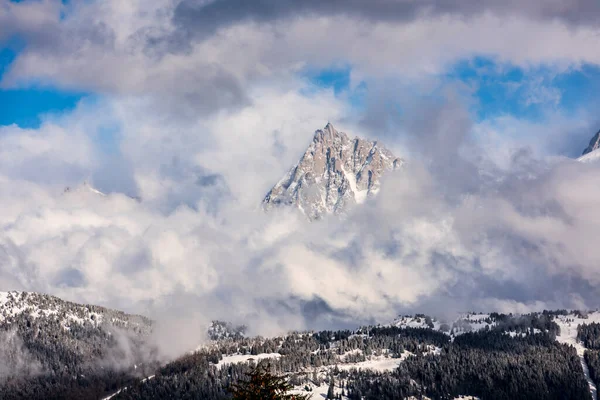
(334, 173)
(594, 144)
(591, 154)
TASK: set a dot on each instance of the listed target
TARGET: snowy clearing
(568, 334)
(241, 358)
(317, 392)
(380, 364)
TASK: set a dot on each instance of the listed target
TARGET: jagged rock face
(594, 144)
(334, 173)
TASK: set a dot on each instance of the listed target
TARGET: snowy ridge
(86, 191)
(242, 358)
(467, 322)
(592, 156)
(592, 152)
(334, 173)
(40, 306)
(84, 188)
(471, 322)
(593, 145)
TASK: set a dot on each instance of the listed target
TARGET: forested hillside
(51, 348)
(511, 358)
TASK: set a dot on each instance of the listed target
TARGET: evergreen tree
(262, 385)
(330, 391)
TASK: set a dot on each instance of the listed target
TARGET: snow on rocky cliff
(591, 153)
(334, 173)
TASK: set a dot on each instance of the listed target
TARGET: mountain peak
(328, 134)
(85, 187)
(593, 145)
(329, 128)
(334, 173)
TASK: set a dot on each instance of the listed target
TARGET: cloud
(200, 124)
(200, 57)
(206, 17)
(16, 360)
(456, 230)
(50, 155)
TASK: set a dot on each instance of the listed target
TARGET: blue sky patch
(580, 87)
(26, 106)
(337, 78)
(504, 89)
(497, 88)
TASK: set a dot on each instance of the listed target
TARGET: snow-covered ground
(241, 358)
(320, 392)
(521, 334)
(568, 334)
(125, 388)
(359, 195)
(35, 305)
(317, 392)
(377, 363)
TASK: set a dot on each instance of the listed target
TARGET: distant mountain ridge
(87, 189)
(31, 305)
(334, 173)
(591, 153)
(593, 145)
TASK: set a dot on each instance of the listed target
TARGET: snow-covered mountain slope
(568, 334)
(51, 348)
(334, 173)
(86, 191)
(467, 322)
(593, 145)
(592, 152)
(592, 156)
(84, 188)
(412, 357)
(15, 306)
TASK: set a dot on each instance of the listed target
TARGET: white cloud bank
(456, 232)
(199, 127)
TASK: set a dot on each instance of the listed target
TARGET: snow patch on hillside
(242, 358)
(13, 304)
(32, 306)
(377, 363)
(317, 391)
(568, 334)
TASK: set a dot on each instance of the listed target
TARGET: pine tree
(330, 391)
(262, 385)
